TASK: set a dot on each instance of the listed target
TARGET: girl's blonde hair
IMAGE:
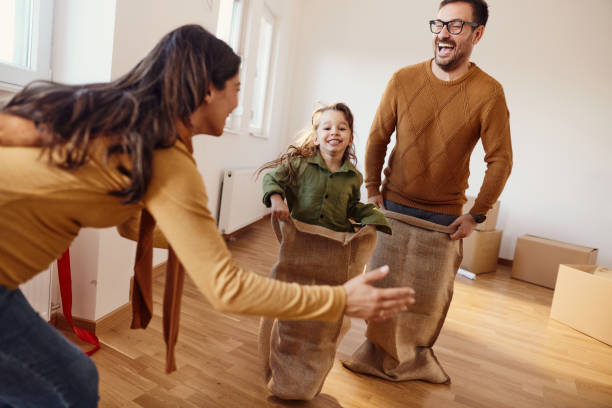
(304, 146)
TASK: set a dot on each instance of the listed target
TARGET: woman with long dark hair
(97, 155)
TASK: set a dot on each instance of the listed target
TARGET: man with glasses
(439, 110)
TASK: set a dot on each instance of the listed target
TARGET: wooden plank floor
(498, 345)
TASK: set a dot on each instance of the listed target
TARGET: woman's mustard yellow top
(43, 207)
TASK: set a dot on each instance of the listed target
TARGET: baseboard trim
(121, 315)
(112, 319)
(234, 235)
(59, 320)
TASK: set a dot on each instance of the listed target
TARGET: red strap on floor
(65, 281)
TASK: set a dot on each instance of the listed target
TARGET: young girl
(317, 176)
(318, 179)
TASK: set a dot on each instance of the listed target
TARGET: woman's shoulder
(174, 165)
(169, 163)
(170, 157)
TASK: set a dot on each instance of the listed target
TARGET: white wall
(140, 24)
(82, 40)
(82, 53)
(348, 50)
(5, 96)
(555, 71)
(559, 95)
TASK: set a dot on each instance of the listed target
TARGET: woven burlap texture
(298, 355)
(420, 254)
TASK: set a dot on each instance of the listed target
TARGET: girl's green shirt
(323, 198)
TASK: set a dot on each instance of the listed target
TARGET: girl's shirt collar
(347, 166)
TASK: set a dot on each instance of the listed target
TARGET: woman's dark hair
(480, 9)
(139, 108)
(305, 147)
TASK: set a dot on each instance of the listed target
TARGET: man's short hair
(480, 9)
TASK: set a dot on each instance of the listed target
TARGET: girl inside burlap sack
(318, 179)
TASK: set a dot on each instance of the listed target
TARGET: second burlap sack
(298, 355)
(420, 254)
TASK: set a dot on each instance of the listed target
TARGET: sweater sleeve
(382, 128)
(495, 136)
(130, 229)
(177, 199)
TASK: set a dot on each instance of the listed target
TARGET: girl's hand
(279, 208)
(378, 201)
(375, 304)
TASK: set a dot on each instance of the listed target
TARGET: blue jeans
(437, 218)
(39, 367)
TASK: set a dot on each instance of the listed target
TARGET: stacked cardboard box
(582, 300)
(481, 248)
(537, 259)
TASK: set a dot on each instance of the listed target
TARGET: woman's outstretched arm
(177, 200)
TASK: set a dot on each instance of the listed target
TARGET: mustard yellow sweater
(42, 209)
(437, 125)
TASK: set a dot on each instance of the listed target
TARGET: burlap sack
(297, 355)
(420, 254)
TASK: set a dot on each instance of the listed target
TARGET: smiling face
(209, 118)
(334, 133)
(452, 52)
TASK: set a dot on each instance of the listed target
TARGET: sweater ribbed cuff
(373, 189)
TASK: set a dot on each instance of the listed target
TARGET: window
(237, 25)
(262, 75)
(231, 30)
(230, 23)
(25, 49)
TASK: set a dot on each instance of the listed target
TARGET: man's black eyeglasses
(454, 26)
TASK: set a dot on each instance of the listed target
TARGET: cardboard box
(583, 300)
(491, 222)
(537, 260)
(481, 251)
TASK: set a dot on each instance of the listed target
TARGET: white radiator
(38, 292)
(240, 203)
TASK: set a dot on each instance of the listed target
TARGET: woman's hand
(279, 208)
(375, 304)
